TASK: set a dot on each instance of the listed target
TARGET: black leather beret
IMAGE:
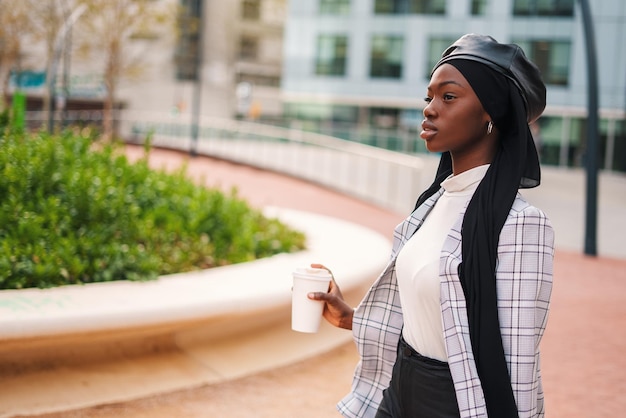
(507, 59)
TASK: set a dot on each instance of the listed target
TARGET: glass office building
(350, 64)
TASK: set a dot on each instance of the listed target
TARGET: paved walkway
(583, 364)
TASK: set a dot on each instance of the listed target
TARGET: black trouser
(419, 387)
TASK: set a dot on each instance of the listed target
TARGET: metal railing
(386, 178)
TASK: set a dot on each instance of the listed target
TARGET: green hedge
(70, 214)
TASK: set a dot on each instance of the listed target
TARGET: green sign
(19, 110)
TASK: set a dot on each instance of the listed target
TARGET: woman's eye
(448, 97)
(428, 99)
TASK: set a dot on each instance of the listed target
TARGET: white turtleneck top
(417, 266)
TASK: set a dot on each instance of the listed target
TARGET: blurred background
(354, 70)
(259, 82)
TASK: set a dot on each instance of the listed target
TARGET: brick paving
(583, 366)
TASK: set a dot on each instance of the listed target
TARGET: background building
(228, 51)
(354, 69)
(240, 53)
(367, 62)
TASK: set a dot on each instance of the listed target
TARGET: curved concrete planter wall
(176, 332)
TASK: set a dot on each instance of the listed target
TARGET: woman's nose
(428, 111)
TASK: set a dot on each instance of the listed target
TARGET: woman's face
(454, 119)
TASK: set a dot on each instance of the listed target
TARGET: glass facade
(562, 141)
(331, 55)
(617, 155)
(551, 56)
(410, 7)
(478, 7)
(543, 8)
(436, 46)
(393, 60)
(334, 7)
(386, 56)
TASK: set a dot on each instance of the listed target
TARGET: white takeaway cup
(306, 314)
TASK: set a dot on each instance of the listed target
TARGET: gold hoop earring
(489, 127)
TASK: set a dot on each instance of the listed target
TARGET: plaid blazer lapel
(377, 325)
(407, 228)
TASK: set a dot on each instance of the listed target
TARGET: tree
(47, 18)
(14, 25)
(109, 27)
(28, 22)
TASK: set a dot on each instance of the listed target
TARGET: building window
(335, 7)
(386, 56)
(436, 46)
(251, 9)
(479, 7)
(437, 7)
(552, 58)
(543, 8)
(618, 163)
(259, 79)
(319, 112)
(331, 55)
(248, 48)
(384, 117)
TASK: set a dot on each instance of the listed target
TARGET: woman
(452, 326)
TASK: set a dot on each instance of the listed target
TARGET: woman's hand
(336, 311)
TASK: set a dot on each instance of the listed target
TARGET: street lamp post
(197, 92)
(67, 61)
(591, 157)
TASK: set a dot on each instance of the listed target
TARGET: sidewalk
(582, 364)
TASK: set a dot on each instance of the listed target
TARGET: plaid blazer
(524, 285)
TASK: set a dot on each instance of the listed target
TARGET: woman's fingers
(317, 295)
(321, 266)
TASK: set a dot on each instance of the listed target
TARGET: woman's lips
(428, 130)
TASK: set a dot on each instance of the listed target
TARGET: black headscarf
(515, 165)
